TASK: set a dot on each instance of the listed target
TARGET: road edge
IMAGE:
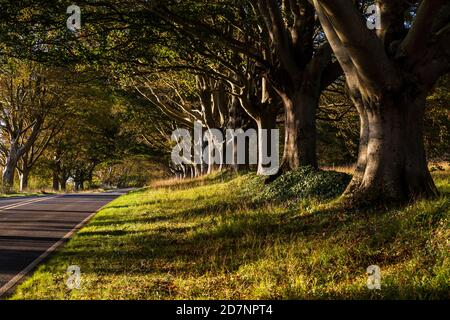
(6, 288)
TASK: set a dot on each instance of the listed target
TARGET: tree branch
(415, 43)
(362, 45)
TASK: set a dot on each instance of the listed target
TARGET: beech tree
(27, 98)
(282, 38)
(35, 152)
(389, 73)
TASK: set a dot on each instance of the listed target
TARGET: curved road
(33, 227)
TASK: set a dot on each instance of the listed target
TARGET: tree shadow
(232, 239)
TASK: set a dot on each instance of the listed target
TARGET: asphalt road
(32, 228)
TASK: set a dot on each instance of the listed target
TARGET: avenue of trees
(342, 93)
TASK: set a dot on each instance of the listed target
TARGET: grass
(22, 194)
(46, 192)
(210, 239)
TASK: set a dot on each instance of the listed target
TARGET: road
(31, 228)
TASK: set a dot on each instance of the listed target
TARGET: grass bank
(221, 238)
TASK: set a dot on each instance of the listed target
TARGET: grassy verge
(23, 194)
(219, 239)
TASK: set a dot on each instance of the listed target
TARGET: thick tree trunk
(361, 163)
(24, 175)
(392, 165)
(63, 184)
(55, 182)
(8, 172)
(300, 130)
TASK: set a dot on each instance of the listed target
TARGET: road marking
(11, 283)
(23, 203)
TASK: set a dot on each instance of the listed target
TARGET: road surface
(31, 228)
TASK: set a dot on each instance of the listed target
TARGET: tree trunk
(24, 175)
(55, 182)
(8, 172)
(300, 130)
(239, 118)
(63, 183)
(392, 165)
(79, 185)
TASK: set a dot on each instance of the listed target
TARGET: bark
(63, 185)
(63, 181)
(8, 172)
(361, 163)
(392, 165)
(79, 185)
(300, 130)
(183, 170)
(24, 175)
(299, 75)
(247, 108)
(55, 182)
(390, 96)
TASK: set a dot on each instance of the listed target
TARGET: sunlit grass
(207, 240)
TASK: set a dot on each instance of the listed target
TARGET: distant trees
(28, 101)
(91, 136)
(35, 152)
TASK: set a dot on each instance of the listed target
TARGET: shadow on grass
(229, 240)
(222, 235)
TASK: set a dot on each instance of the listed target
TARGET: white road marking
(23, 203)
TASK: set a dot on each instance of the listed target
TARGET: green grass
(22, 194)
(210, 239)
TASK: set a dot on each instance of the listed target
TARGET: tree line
(308, 67)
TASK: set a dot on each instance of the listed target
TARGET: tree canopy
(136, 70)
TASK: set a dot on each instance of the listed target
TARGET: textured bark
(9, 171)
(63, 182)
(390, 95)
(300, 75)
(55, 181)
(300, 131)
(24, 176)
(392, 164)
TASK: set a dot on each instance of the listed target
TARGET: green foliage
(437, 122)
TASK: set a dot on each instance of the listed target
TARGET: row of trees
(52, 121)
(32, 110)
(269, 63)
